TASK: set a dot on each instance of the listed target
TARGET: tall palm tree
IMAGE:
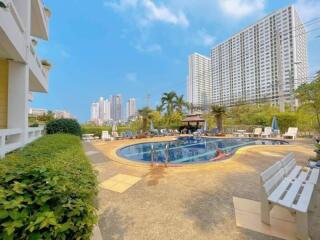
(179, 103)
(218, 111)
(160, 108)
(167, 101)
(145, 114)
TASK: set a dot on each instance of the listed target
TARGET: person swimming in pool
(220, 155)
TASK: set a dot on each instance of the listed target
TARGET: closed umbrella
(151, 126)
(205, 127)
(275, 126)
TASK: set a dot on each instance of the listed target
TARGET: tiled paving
(190, 203)
(120, 183)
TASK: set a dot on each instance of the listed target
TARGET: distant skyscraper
(116, 107)
(131, 110)
(199, 87)
(107, 114)
(95, 112)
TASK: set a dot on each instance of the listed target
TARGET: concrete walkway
(189, 203)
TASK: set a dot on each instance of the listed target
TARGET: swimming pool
(186, 150)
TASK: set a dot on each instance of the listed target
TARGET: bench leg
(265, 212)
(302, 226)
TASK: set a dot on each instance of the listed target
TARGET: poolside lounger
(105, 136)
(291, 133)
(267, 132)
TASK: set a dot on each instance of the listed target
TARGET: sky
(141, 47)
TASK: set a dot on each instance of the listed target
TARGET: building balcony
(39, 19)
(12, 33)
(12, 139)
(39, 71)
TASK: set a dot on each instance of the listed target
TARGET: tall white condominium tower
(199, 87)
(116, 107)
(265, 62)
(95, 112)
(100, 111)
(131, 108)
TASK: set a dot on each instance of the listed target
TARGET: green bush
(47, 191)
(70, 126)
(286, 120)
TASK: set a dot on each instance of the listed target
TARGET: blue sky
(140, 47)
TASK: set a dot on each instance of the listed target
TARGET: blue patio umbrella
(274, 125)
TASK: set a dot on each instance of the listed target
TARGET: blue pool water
(186, 150)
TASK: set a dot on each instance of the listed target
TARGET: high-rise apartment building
(131, 110)
(116, 107)
(265, 62)
(95, 112)
(199, 86)
(100, 111)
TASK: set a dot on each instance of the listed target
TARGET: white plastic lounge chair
(257, 132)
(267, 132)
(291, 133)
(105, 136)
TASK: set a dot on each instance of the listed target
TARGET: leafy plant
(47, 191)
(70, 126)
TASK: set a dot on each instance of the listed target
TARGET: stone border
(112, 153)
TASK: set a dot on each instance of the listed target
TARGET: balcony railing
(38, 62)
(12, 139)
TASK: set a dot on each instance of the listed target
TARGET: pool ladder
(153, 155)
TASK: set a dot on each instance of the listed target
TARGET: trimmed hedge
(69, 126)
(47, 191)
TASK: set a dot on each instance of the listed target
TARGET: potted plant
(34, 42)
(47, 12)
(46, 65)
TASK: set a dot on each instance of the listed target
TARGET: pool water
(186, 150)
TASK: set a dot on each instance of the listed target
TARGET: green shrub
(47, 191)
(286, 120)
(70, 126)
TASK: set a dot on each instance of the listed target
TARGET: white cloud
(204, 38)
(308, 9)
(163, 14)
(131, 77)
(149, 48)
(147, 11)
(241, 8)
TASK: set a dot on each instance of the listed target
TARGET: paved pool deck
(188, 202)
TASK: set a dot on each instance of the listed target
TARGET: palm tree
(160, 108)
(145, 114)
(218, 111)
(167, 101)
(179, 103)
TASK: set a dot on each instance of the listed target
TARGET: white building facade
(199, 86)
(265, 62)
(100, 111)
(131, 108)
(21, 71)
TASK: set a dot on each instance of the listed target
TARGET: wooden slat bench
(286, 185)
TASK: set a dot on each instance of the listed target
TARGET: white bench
(293, 171)
(291, 193)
